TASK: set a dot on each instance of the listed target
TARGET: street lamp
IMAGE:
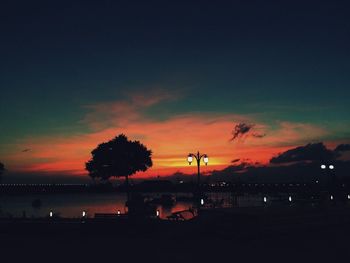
(329, 178)
(198, 158)
(330, 167)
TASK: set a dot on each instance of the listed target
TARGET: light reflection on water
(72, 205)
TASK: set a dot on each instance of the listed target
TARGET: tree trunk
(127, 189)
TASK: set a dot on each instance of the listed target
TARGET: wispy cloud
(130, 109)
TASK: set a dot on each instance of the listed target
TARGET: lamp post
(329, 178)
(198, 157)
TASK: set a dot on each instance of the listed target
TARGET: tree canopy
(118, 157)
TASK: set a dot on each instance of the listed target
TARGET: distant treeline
(340, 185)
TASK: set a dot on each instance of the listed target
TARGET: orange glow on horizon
(170, 140)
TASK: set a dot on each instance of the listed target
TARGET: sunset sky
(176, 76)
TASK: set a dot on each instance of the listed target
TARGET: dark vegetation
(118, 157)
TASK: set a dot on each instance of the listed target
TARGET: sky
(176, 75)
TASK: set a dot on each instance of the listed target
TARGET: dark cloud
(342, 148)
(230, 170)
(309, 152)
(240, 130)
(259, 135)
(244, 129)
(235, 160)
(296, 172)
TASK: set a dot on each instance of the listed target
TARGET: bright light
(84, 213)
(51, 214)
(118, 212)
(206, 159)
(331, 197)
(331, 167)
(323, 166)
(202, 201)
(189, 159)
(290, 199)
(157, 213)
(265, 199)
(348, 197)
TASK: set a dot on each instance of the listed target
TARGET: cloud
(240, 130)
(120, 112)
(295, 172)
(257, 135)
(342, 148)
(243, 130)
(309, 152)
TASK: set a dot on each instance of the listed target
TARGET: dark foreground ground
(243, 235)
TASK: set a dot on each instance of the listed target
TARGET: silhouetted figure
(119, 157)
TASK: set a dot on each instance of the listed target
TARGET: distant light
(118, 212)
(202, 201)
(349, 197)
(290, 199)
(265, 199)
(331, 197)
(189, 159)
(331, 167)
(157, 213)
(84, 214)
(51, 214)
(316, 181)
(323, 166)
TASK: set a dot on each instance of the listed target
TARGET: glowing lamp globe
(189, 159)
(206, 160)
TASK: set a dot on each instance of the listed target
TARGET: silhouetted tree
(2, 169)
(118, 157)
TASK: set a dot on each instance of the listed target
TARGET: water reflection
(72, 205)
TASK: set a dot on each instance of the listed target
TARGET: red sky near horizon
(170, 139)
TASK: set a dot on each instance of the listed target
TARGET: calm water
(72, 205)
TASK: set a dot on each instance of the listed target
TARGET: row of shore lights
(290, 198)
(265, 199)
(84, 213)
